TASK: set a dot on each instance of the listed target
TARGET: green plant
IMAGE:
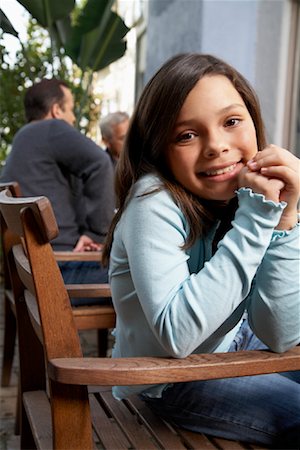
(92, 35)
(66, 41)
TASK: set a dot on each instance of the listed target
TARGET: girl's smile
(213, 138)
(222, 173)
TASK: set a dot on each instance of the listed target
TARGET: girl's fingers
(285, 173)
(291, 190)
(274, 156)
(269, 187)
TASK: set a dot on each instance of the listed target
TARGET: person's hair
(108, 122)
(40, 97)
(150, 129)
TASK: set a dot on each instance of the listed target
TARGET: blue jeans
(87, 272)
(261, 409)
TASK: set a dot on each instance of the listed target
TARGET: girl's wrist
(287, 222)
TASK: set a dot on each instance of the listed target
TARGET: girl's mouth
(222, 173)
(210, 173)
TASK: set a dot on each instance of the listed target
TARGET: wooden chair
(79, 411)
(8, 239)
(87, 317)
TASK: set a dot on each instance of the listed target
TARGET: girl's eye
(185, 137)
(232, 122)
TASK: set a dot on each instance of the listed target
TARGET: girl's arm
(274, 305)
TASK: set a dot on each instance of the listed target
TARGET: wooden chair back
(8, 239)
(6, 236)
(70, 420)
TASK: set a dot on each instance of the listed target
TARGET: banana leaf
(46, 12)
(98, 37)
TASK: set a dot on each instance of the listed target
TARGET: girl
(203, 249)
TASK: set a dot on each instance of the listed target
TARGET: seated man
(113, 128)
(47, 155)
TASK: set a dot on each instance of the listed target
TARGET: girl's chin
(221, 197)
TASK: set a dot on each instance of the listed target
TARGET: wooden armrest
(148, 370)
(88, 290)
(78, 256)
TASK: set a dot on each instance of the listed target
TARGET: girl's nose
(215, 145)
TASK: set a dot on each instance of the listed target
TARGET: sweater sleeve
(178, 303)
(79, 155)
(274, 304)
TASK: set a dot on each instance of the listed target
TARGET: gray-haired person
(113, 128)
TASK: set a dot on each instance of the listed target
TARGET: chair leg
(10, 329)
(102, 342)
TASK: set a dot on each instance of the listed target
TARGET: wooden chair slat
(38, 410)
(10, 296)
(224, 444)
(23, 268)
(196, 441)
(163, 432)
(88, 290)
(101, 321)
(106, 428)
(107, 320)
(137, 434)
(34, 315)
(10, 327)
(78, 256)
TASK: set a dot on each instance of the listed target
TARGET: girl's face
(213, 138)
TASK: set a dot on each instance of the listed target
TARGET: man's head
(49, 99)
(113, 129)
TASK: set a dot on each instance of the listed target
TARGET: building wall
(252, 35)
(174, 26)
(228, 29)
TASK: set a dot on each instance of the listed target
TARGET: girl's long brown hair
(151, 126)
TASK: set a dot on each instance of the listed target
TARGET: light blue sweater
(171, 302)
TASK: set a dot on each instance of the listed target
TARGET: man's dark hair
(40, 97)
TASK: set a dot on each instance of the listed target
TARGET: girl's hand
(275, 163)
(260, 184)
